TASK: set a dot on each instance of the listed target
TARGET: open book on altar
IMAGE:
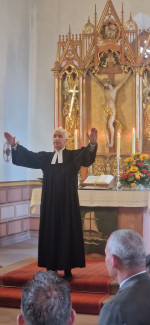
(98, 180)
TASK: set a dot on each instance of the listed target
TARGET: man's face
(59, 140)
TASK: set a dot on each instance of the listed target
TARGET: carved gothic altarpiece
(102, 80)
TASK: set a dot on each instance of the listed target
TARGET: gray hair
(128, 246)
(46, 300)
(60, 129)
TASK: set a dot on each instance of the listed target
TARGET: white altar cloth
(101, 198)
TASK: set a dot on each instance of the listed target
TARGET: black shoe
(51, 270)
(67, 277)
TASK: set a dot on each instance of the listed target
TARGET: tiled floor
(18, 252)
(17, 255)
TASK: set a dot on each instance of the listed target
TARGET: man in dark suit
(125, 260)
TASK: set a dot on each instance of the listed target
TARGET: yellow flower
(144, 156)
(135, 154)
(129, 159)
(133, 169)
(137, 176)
(141, 175)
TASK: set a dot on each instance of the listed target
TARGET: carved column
(84, 113)
(60, 117)
(81, 107)
(138, 122)
(56, 99)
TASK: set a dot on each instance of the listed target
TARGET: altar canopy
(102, 80)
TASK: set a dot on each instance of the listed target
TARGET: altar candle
(91, 170)
(118, 145)
(133, 140)
(76, 139)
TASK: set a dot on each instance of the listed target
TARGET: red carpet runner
(89, 287)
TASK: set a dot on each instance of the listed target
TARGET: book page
(102, 179)
(91, 179)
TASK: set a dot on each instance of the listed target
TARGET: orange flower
(134, 163)
(132, 184)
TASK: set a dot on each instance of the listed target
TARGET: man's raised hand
(10, 139)
(92, 136)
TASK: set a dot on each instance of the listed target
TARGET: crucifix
(110, 91)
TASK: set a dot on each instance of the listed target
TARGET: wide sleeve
(23, 157)
(85, 156)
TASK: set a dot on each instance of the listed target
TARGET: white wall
(30, 31)
(14, 78)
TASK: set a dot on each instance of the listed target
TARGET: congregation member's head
(46, 301)
(126, 263)
(125, 254)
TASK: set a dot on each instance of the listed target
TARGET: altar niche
(70, 103)
(98, 224)
(102, 80)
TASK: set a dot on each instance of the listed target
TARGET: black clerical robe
(61, 243)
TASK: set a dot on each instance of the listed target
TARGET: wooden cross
(111, 70)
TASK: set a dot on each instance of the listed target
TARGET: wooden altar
(102, 80)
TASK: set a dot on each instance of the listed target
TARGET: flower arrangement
(136, 171)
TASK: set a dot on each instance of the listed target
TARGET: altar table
(133, 207)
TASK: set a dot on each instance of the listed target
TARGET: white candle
(118, 145)
(76, 139)
(133, 140)
(91, 170)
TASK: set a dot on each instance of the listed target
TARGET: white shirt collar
(131, 277)
(59, 155)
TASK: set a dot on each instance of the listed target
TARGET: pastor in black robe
(61, 243)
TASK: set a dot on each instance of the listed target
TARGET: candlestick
(118, 174)
(91, 170)
(76, 139)
(118, 145)
(133, 140)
